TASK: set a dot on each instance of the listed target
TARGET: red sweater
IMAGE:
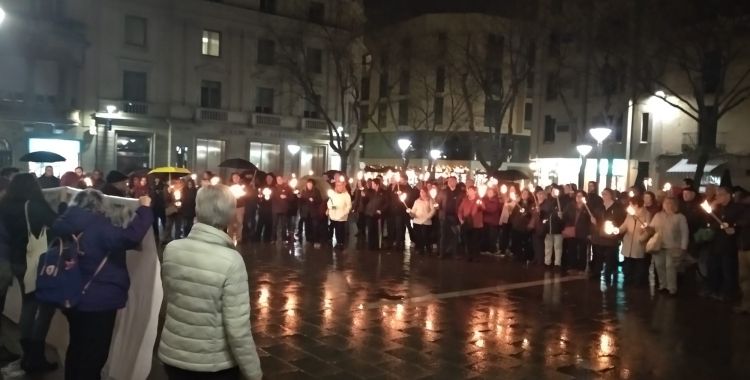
(470, 208)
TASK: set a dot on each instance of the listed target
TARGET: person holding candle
(650, 203)
(577, 218)
(435, 228)
(251, 206)
(537, 236)
(605, 245)
(593, 199)
(520, 218)
(722, 260)
(310, 198)
(173, 227)
(280, 210)
(509, 201)
(376, 207)
(422, 211)
(491, 221)
(188, 206)
(470, 216)
(235, 227)
(360, 202)
(674, 236)
(447, 202)
(339, 205)
(634, 238)
(265, 210)
(551, 213)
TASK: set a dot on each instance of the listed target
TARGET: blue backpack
(59, 281)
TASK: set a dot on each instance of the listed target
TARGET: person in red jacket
(491, 221)
(471, 218)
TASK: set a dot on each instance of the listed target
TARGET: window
(135, 31)
(311, 109)
(208, 155)
(265, 156)
(549, 129)
(495, 79)
(133, 152)
(442, 44)
(645, 126)
(211, 42)
(210, 94)
(134, 86)
(438, 110)
(365, 89)
(552, 86)
(264, 100)
(403, 112)
(492, 113)
(404, 81)
(616, 122)
(266, 52)
(268, 6)
(364, 116)
(316, 13)
(528, 112)
(382, 115)
(440, 79)
(314, 60)
(366, 63)
(384, 89)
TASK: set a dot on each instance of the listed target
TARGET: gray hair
(91, 200)
(214, 205)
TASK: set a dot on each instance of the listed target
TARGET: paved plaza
(324, 314)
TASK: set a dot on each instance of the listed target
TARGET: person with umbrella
(251, 204)
(116, 185)
(48, 180)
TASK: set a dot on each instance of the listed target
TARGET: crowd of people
(661, 238)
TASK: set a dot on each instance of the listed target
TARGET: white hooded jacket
(339, 206)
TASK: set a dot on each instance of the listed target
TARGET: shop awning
(684, 167)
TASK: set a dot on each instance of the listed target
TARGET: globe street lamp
(2, 15)
(599, 134)
(404, 145)
(294, 149)
(583, 150)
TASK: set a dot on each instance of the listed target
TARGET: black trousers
(521, 245)
(159, 215)
(88, 349)
(373, 232)
(265, 225)
(339, 230)
(489, 238)
(504, 235)
(576, 253)
(605, 257)
(635, 271)
(174, 373)
(251, 223)
(473, 240)
(409, 227)
(361, 224)
(310, 224)
(422, 237)
(279, 227)
(187, 225)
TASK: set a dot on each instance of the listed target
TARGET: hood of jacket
(76, 220)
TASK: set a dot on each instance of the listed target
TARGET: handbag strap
(98, 269)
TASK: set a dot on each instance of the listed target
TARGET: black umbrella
(510, 175)
(726, 179)
(42, 156)
(238, 163)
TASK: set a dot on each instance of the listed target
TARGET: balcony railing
(315, 124)
(690, 143)
(135, 108)
(267, 120)
(212, 114)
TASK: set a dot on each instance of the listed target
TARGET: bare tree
(695, 60)
(494, 57)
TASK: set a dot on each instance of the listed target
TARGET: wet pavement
(321, 314)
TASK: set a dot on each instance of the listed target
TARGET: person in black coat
(309, 200)
(397, 213)
(265, 214)
(690, 206)
(578, 219)
(376, 208)
(593, 199)
(251, 207)
(551, 214)
(605, 247)
(722, 264)
(48, 180)
(189, 192)
(158, 205)
(117, 184)
(280, 206)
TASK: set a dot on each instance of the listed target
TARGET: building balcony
(315, 125)
(36, 112)
(219, 115)
(275, 121)
(690, 143)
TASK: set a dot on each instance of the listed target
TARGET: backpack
(59, 281)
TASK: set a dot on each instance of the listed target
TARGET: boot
(36, 361)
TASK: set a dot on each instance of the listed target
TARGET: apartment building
(129, 84)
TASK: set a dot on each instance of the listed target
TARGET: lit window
(211, 42)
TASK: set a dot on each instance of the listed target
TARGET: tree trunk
(700, 167)
(344, 161)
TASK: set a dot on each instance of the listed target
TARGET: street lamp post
(583, 150)
(404, 144)
(599, 134)
(293, 149)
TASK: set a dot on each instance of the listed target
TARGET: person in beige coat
(673, 241)
(207, 329)
(422, 212)
(633, 229)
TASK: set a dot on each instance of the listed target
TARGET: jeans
(35, 317)
(553, 243)
(173, 223)
(279, 227)
(448, 237)
(174, 373)
(374, 231)
(666, 270)
(159, 215)
(722, 273)
(744, 279)
(422, 238)
(187, 225)
(234, 228)
(339, 229)
(90, 338)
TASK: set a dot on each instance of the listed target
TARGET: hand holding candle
(237, 190)
(177, 196)
(267, 193)
(610, 229)
(707, 207)
(88, 182)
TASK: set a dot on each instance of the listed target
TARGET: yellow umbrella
(170, 170)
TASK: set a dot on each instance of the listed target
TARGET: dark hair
(376, 181)
(611, 193)
(574, 187)
(310, 180)
(583, 193)
(651, 194)
(23, 187)
(689, 182)
(636, 201)
(78, 167)
(8, 171)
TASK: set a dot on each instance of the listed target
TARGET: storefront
(70, 149)
(565, 170)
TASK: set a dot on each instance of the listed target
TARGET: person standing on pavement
(92, 322)
(376, 207)
(470, 216)
(235, 228)
(207, 332)
(491, 222)
(97, 182)
(743, 259)
(116, 185)
(578, 221)
(422, 211)
(265, 210)
(339, 206)
(48, 179)
(674, 235)
(605, 246)
(189, 193)
(722, 261)
(158, 205)
(634, 238)
(447, 202)
(309, 198)
(251, 207)
(280, 207)
(551, 212)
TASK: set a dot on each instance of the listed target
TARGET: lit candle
(267, 193)
(177, 196)
(238, 190)
(631, 194)
(193, 176)
(556, 194)
(359, 175)
(631, 211)
(482, 190)
(433, 193)
(293, 182)
(310, 172)
(88, 182)
(215, 180)
(609, 228)
(707, 208)
(585, 204)
(503, 189)
(667, 187)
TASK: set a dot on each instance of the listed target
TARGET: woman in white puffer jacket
(422, 212)
(339, 206)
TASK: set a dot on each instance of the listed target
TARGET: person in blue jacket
(103, 264)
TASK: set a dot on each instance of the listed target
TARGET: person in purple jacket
(92, 321)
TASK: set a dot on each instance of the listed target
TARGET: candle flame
(351, 181)
(631, 210)
(237, 190)
(88, 182)
(584, 200)
(267, 193)
(503, 189)
(293, 182)
(433, 193)
(706, 207)
(342, 179)
(512, 196)
(667, 186)
(402, 197)
(482, 190)
(556, 192)
(215, 180)
(426, 176)
(609, 228)
(310, 172)
(360, 175)
(177, 195)
(631, 194)
(330, 193)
